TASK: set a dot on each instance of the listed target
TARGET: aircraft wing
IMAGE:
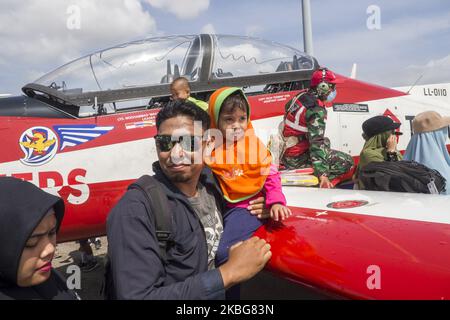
(364, 244)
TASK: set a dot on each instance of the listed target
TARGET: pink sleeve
(272, 187)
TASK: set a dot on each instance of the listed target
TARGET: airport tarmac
(91, 282)
(265, 286)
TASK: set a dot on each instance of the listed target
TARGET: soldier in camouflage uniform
(304, 131)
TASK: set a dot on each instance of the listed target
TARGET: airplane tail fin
(353, 73)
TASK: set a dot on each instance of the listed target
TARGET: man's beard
(180, 178)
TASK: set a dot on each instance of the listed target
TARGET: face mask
(332, 96)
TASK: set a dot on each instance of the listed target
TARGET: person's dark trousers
(239, 225)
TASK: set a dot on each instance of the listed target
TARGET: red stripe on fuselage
(349, 91)
(89, 219)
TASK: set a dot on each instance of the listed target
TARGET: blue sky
(413, 39)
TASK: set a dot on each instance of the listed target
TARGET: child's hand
(279, 212)
(258, 208)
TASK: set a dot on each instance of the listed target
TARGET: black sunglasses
(188, 143)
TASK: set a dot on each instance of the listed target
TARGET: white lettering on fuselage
(73, 188)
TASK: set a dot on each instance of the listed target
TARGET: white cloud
(253, 30)
(183, 9)
(208, 28)
(383, 55)
(35, 36)
(444, 62)
(434, 71)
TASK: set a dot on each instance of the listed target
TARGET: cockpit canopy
(157, 61)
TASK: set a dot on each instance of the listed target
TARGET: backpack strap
(159, 205)
(292, 105)
(308, 101)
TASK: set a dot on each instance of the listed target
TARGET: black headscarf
(22, 208)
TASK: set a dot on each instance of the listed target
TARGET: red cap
(323, 75)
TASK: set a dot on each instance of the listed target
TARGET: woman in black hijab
(29, 220)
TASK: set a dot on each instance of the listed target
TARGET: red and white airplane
(85, 132)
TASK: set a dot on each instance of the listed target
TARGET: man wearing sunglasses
(195, 202)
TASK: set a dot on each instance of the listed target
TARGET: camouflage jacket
(319, 145)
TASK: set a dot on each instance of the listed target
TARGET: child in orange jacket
(242, 164)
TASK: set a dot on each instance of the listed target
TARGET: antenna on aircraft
(307, 27)
(414, 84)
